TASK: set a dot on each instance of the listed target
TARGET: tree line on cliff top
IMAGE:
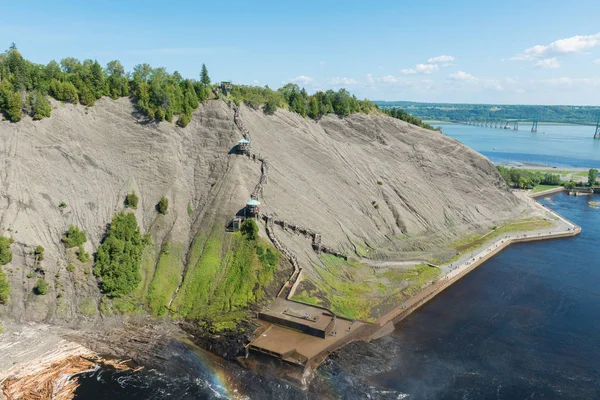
(158, 94)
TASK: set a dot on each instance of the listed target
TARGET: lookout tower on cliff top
(252, 208)
(226, 87)
(243, 146)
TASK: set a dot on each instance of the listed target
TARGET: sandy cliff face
(371, 185)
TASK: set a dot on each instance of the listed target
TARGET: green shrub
(5, 253)
(39, 252)
(131, 200)
(162, 205)
(71, 268)
(119, 256)
(64, 91)
(4, 287)
(83, 255)
(184, 120)
(39, 105)
(270, 107)
(41, 287)
(249, 229)
(62, 205)
(74, 237)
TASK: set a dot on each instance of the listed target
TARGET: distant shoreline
(524, 123)
(541, 167)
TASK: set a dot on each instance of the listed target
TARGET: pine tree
(204, 78)
(14, 107)
(313, 108)
(97, 78)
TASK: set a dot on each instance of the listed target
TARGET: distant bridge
(514, 125)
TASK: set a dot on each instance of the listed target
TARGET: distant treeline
(486, 112)
(158, 94)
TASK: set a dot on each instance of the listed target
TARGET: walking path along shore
(467, 263)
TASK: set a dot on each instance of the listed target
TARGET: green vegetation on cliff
(5, 258)
(166, 279)
(158, 94)
(225, 274)
(400, 114)
(74, 237)
(5, 253)
(4, 287)
(356, 290)
(296, 99)
(118, 257)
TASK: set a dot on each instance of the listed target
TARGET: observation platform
(297, 333)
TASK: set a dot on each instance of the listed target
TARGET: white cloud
(442, 59)
(343, 81)
(462, 76)
(420, 69)
(389, 79)
(301, 79)
(322, 62)
(567, 82)
(573, 44)
(462, 79)
(256, 82)
(548, 63)
(597, 61)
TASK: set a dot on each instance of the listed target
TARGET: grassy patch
(307, 298)
(146, 272)
(204, 263)
(226, 273)
(166, 279)
(355, 290)
(472, 242)
(344, 285)
(88, 307)
(415, 278)
(541, 188)
(4, 287)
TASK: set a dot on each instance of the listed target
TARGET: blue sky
(526, 52)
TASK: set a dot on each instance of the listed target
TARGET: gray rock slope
(372, 185)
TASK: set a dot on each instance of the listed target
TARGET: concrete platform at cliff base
(297, 333)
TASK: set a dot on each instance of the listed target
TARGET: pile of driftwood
(57, 382)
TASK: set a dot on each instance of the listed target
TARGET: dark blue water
(525, 325)
(556, 145)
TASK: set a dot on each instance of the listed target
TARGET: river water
(555, 145)
(525, 325)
